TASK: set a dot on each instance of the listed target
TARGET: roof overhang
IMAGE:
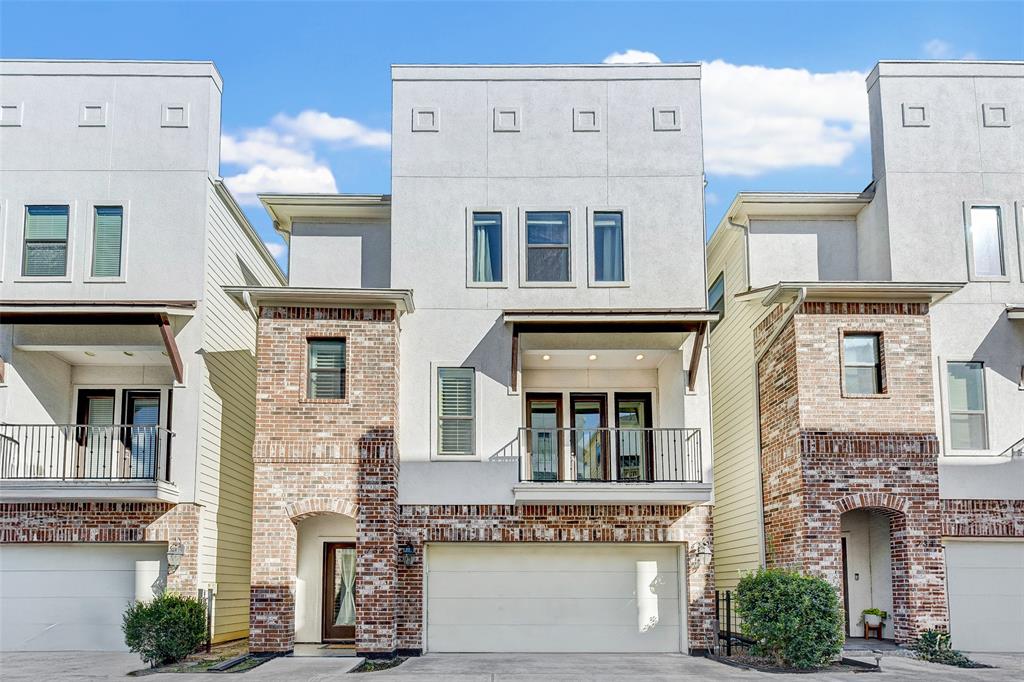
(865, 292)
(285, 209)
(257, 297)
(599, 320)
(1015, 312)
(92, 312)
(778, 205)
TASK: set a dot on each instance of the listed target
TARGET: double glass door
(129, 451)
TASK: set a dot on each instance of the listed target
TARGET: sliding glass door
(633, 441)
(544, 421)
(589, 413)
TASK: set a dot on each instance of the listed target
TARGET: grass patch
(372, 665)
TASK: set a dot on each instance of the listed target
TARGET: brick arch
(881, 501)
(314, 506)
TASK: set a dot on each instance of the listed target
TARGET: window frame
(1001, 231)
(592, 280)
(947, 411)
(342, 373)
(69, 263)
(505, 244)
(883, 383)
(125, 207)
(1018, 216)
(435, 412)
(524, 248)
(719, 278)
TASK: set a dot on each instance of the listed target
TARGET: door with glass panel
(589, 436)
(339, 622)
(97, 443)
(141, 438)
(544, 444)
(634, 448)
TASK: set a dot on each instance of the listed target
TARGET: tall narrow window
(326, 369)
(968, 428)
(609, 260)
(862, 364)
(487, 247)
(455, 410)
(985, 242)
(46, 241)
(716, 298)
(547, 246)
(108, 223)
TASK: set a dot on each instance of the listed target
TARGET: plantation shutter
(46, 241)
(106, 248)
(455, 411)
(327, 369)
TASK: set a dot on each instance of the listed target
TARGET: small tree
(165, 630)
(794, 619)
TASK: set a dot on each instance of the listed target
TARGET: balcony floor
(617, 492)
(117, 490)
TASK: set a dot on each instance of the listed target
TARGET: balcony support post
(698, 346)
(167, 334)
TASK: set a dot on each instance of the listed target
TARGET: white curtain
(344, 598)
(482, 271)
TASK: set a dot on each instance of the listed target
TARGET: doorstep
(324, 651)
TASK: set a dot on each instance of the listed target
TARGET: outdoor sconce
(174, 555)
(702, 551)
(408, 555)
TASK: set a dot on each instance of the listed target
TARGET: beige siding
(737, 493)
(227, 417)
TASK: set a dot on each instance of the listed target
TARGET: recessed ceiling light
(128, 353)
(639, 356)
(90, 353)
(545, 357)
(592, 357)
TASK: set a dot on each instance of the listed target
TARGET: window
(716, 298)
(46, 241)
(547, 246)
(487, 247)
(985, 242)
(326, 369)
(455, 411)
(968, 428)
(609, 259)
(107, 227)
(862, 364)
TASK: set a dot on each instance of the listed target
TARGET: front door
(544, 445)
(589, 413)
(339, 591)
(634, 442)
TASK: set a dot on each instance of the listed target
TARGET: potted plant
(874, 617)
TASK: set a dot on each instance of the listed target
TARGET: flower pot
(872, 619)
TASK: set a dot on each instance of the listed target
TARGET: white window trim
(968, 205)
(90, 239)
(505, 245)
(4, 222)
(435, 415)
(72, 230)
(523, 253)
(592, 280)
(1018, 214)
(948, 451)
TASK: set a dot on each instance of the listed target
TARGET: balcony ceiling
(606, 359)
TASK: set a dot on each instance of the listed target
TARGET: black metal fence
(730, 636)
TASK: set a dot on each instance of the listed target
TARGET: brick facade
(983, 518)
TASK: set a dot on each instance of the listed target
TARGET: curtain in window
(986, 241)
(345, 586)
(99, 440)
(455, 410)
(608, 256)
(106, 247)
(46, 241)
(487, 247)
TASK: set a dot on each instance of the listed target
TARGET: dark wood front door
(339, 587)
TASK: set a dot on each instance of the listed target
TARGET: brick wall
(983, 518)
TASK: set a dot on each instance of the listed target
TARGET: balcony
(610, 466)
(124, 462)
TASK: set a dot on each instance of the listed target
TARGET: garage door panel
(551, 584)
(88, 610)
(68, 583)
(541, 612)
(985, 584)
(553, 639)
(552, 558)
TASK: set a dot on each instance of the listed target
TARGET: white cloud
(937, 48)
(282, 156)
(276, 249)
(759, 119)
(632, 57)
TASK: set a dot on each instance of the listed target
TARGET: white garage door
(67, 597)
(986, 595)
(553, 598)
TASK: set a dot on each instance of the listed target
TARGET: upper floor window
(326, 369)
(609, 257)
(547, 246)
(985, 243)
(487, 247)
(716, 297)
(108, 223)
(968, 424)
(862, 364)
(46, 241)
(456, 413)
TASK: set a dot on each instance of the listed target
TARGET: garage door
(553, 598)
(67, 597)
(986, 595)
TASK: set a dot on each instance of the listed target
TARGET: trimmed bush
(793, 619)
(935, 646)
(165, 630)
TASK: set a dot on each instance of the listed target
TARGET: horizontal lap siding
(227, 420)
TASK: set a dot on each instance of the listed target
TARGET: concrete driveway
(489, 668)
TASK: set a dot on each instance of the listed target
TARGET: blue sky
(307, 93)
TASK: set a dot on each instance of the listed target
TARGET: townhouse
(482, 413)
(868, 372)
(127, 374)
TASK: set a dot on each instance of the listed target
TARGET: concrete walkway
(489, 668)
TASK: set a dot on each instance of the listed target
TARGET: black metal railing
(610, 455)
(729, 624)
(85, 452)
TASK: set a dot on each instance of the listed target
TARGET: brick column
(376, 546)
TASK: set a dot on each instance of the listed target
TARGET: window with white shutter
(108, 224)
(326, 369)
(455, 410)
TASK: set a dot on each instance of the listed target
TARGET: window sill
(547, 285)
(976, 278)
(487, 285)
(323, 401)
(608, 285)
(105, 280)
(454, 458)
(42, 279)
(865, 396)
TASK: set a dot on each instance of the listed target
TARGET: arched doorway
(867, 566)
(325, 578)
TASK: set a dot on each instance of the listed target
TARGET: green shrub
(935, 646)
(165, 630)
(875, 612)
(793, 619)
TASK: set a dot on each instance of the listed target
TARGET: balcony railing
(85, 452)
(610, 455)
